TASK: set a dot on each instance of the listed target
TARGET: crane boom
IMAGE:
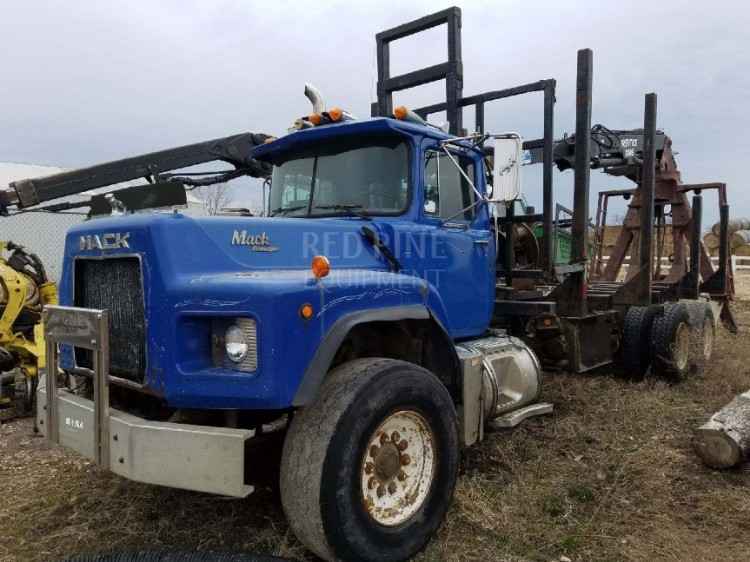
(235, 150)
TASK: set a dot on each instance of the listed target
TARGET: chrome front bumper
(192, 457)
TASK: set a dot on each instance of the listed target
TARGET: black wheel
(671, 338)
(24, 395)
(18, 392)
(635, 352)
(368, 469)
(703, 324)
(7, 405)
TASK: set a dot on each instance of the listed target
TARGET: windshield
(339, 178)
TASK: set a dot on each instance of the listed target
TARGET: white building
(44, 233)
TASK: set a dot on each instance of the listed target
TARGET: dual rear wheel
(673, 340)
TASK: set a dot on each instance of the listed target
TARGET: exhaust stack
(315, 97)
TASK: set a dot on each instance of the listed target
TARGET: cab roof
(375, 126)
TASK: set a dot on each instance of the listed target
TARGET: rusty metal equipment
(691, 271)
(577, 309)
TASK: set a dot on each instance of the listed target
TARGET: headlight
(235, 344)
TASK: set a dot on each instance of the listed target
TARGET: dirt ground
(610, 476)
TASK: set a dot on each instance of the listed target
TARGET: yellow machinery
(24, 291)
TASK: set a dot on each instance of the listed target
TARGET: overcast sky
(84, 82)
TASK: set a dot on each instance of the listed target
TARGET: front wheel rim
(398, 468)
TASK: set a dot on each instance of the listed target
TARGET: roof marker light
(335, 113)
(403, 113)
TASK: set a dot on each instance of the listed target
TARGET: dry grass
(742, 286)
(611, 476)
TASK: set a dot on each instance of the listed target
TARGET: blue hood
(197, 270)
(186, 246)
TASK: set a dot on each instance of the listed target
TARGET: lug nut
(392, 488)
(395, 437)
(405, 460)
(381, 491)
(401, 475)
(403, 445)
(383, 438)
(374, 451)
(371, 482)
(369, 467)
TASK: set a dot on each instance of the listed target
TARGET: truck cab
(418, 190)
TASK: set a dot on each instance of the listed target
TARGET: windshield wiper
(346, 209)
(371, 235)
(284, 210)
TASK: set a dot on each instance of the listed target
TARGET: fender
(329, 345)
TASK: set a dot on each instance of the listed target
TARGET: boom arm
(235, 150)
(616, 152)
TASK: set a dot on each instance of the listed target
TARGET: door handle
(481, 241)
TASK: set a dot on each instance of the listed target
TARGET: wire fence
(42, 234)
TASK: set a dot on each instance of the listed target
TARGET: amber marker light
(306, 311)
(400, 112)
(336, 113)
(315, 118)
(320, 266)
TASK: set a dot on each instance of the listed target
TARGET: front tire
(368, 469)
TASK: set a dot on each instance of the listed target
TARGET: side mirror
(507, 168)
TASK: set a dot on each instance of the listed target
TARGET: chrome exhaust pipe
(315, 97)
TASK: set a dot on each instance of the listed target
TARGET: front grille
(115, 284)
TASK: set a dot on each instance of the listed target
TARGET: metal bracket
(87, 328)
(514, 418)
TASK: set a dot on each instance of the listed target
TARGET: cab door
(461, 261)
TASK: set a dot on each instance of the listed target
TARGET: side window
(431, 191)
(446, 191)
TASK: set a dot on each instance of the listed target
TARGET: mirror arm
(460, 169)
(454, 215)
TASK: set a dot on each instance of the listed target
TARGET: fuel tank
(511, 373)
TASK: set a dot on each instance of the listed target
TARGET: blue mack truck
(361, 330)
(335, 321)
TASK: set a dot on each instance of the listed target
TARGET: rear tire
(636, 337)
(671, 338)
(350, 488)
(703, 324)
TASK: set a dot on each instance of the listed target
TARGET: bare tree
(214, 197)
